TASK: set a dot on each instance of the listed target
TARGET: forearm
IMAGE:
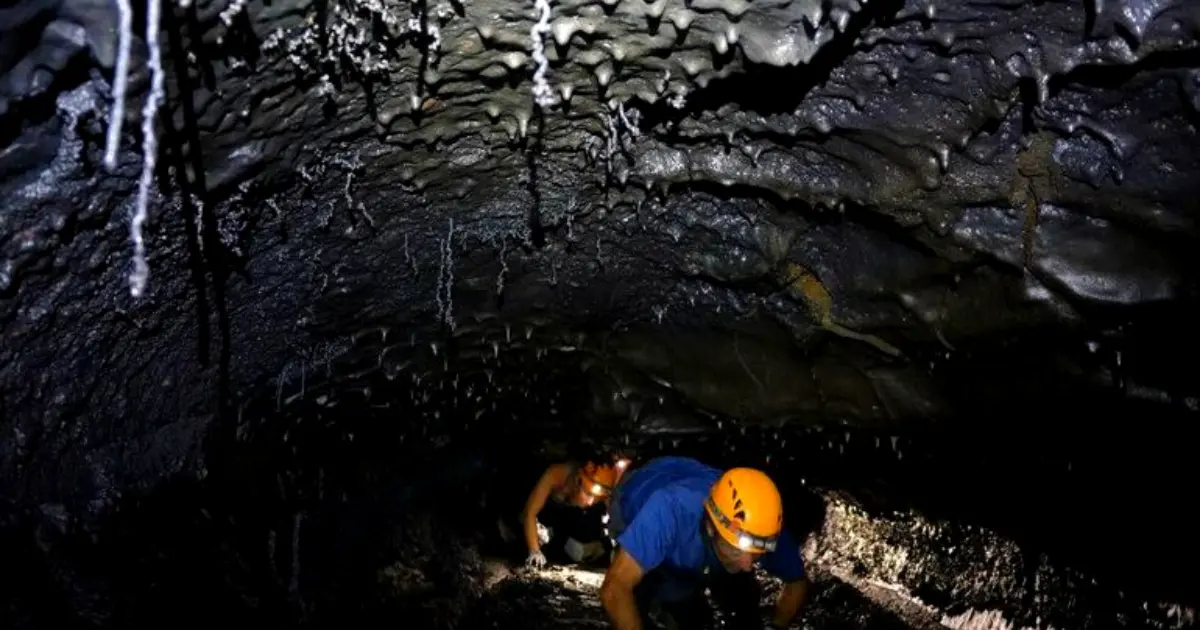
(532, 542)
(622, 609)
(791, 600)
(553, 476)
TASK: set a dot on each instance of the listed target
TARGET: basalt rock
(712, 224)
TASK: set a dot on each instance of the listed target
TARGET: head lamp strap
(746, 540)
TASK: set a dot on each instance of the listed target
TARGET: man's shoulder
(679, 497)
(677, 464)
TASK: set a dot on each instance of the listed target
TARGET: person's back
(679, 486)
(683, 474)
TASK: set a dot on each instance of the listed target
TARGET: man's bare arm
(616, 594)
(791, 600)
(554, 475)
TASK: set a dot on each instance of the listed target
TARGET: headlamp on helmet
(745, 508)
(597, 481)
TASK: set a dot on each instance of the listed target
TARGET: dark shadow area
(335, 506)
(348, 500)
(530, 602)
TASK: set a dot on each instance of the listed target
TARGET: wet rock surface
(557, 602)
(929, 569)
(955, 176)
(935, 256)
(526, 599)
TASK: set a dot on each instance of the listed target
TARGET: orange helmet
(746, 509)
(598, 481)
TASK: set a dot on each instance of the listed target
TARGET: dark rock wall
(384, 164)
(999, 199)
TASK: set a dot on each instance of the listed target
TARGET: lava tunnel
(299, 297)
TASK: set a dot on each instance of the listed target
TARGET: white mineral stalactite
(294, 578)
(543, 95)
(140, 273)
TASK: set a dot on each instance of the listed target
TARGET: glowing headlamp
(755, 544)
(745, 541)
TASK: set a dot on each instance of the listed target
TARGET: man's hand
(791, 600)
(536, 560)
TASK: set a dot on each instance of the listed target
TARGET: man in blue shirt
(678, 523)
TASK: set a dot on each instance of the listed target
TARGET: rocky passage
(337, 505)
(569, 602)
(929, 257)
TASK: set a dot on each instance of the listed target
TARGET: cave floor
(565, 598)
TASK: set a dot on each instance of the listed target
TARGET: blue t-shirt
(662, 506)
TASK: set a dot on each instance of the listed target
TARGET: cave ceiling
(761, 210)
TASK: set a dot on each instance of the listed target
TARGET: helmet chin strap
(714, 540)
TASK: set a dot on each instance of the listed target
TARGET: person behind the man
(562, 506)
(681, 526)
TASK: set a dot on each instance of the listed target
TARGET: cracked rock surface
(939, 256)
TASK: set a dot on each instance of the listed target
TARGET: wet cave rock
(298, 297)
